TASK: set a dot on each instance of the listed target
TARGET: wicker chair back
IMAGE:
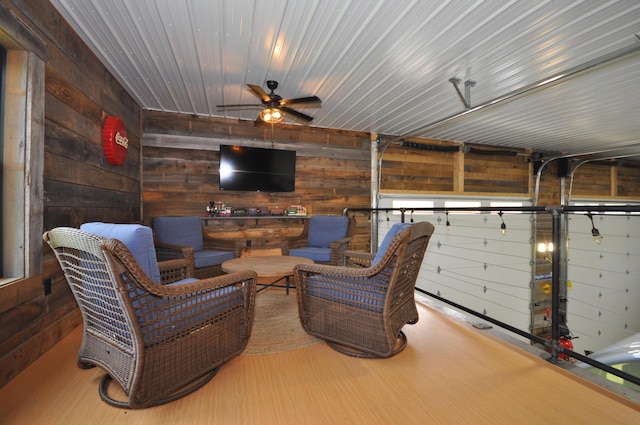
(361, 310)
(134, 328)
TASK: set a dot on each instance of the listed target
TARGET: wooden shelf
(254, 217)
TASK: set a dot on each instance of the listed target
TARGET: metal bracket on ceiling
(466, 99)
(382, 145)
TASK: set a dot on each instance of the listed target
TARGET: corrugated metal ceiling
(384, 66)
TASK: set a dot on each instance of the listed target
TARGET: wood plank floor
(451, 373)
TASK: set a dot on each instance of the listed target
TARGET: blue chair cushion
(324, 229)
(183, 281)
(137, 238)
(322, 255)
(382, 249)
(206, 258)
(179, 231)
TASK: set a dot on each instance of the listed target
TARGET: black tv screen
(257, 169)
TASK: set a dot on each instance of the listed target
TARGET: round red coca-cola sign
(114, 140)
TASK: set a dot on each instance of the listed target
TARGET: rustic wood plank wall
(79, 184)
(593, 180)
(420, 165)
(406, 169)
(628, 180)
(181, 159)
(610, 179)
(333, 172)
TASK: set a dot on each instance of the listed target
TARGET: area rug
(276, 325)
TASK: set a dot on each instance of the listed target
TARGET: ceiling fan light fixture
(272, 115)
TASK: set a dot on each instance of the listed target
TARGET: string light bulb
(595, 233)
(597, 237)
(503, 226)
(448, 224)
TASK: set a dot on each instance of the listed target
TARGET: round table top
(266, 266)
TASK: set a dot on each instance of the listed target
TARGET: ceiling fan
(274, 106)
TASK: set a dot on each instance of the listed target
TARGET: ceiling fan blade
(297, 114)
(258, 91)
(242, 105)
(298, 100)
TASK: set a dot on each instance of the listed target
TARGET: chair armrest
(357, 258)
(245, 277)
(299, 241)
(304, 269)
(189, 307)
(293, 243)
(338, 248)
(380, 271)
(180, 293)
(165, 252)
(346, 285)
(174, 270)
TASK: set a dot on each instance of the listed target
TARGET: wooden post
(614, 181)
(458, 171)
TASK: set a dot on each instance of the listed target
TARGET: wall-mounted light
(595, 233)
(272, 115)
(503, 226)
(545, 247)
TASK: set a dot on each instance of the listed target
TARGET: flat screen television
(257, 169)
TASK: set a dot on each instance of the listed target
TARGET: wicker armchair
(158, 342)
(360, 311)
(324, 239)
(185, 237)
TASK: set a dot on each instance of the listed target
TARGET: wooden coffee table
(276, 267)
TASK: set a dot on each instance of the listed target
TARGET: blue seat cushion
(179, 231)
(382, 249)
(206, 258)
(324, 229)
(137, 238)
(322, 255)
(183, 281)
